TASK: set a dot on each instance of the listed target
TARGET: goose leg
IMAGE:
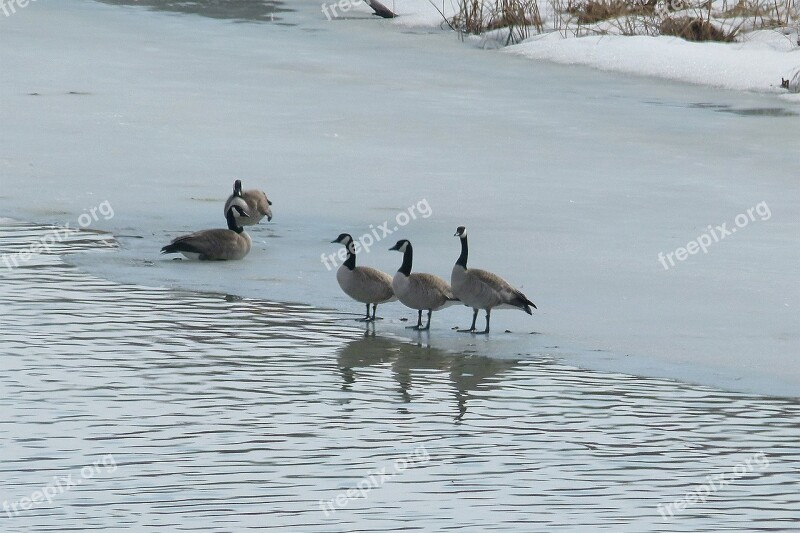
(366, 318)
(426, 328)
(472, 327)
(419, 321)
(484, 332)
(374, 308)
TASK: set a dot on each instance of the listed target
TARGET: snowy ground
(755, 65)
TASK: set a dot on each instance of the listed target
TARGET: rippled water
(207, 412)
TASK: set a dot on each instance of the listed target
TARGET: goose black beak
(394, 248)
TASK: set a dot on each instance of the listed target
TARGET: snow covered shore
(756, 62)
(755, 65)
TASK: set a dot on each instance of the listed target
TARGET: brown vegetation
(692, 20)
(695, 29)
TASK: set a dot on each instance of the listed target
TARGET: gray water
(237, 10)
(211, 412)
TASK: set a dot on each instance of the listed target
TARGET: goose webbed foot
(369, 317)
(473, 331)
(428, 325)
(419, 322)
(472, 327)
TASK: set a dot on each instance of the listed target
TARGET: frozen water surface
(571, 181)
(226, 409)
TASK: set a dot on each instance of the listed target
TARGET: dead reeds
(693, 20)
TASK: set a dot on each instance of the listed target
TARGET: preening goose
(480, 289)
(254, 202)
(363, 284)
(214, 244)
(419, 291)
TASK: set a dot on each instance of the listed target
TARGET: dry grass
(696, 29)
(519, 17)
(470, 18)
(692, 20)
(593, 11)
(763, 13)
(511, 14)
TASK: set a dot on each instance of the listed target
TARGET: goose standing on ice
(480, 289)
(214, 244)
(363, 284)
(419, 291)
(254, 202)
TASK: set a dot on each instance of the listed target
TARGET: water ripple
(227, 414)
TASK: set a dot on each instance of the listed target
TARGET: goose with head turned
(480, 289)
(214, 244)
(253, 201)
(363, 284)
(423, 292)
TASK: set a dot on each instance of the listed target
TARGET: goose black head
(237, 188)
(401, 245)
(343, 238)
(784, 83)
(461, 232)
(230, 216)
(236, 210)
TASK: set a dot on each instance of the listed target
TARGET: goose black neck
(408, 258)
(350, 262)
(462, 259)
(232, 222)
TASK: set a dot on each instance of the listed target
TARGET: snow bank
(754, 65)
(758, 63)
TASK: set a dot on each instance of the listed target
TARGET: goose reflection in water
(467, 373)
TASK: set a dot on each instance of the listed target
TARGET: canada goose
(254, 202)
(363, 284)
(214, 244)
(419, 291)
(480, 289)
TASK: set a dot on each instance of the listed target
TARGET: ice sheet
(570, 180)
